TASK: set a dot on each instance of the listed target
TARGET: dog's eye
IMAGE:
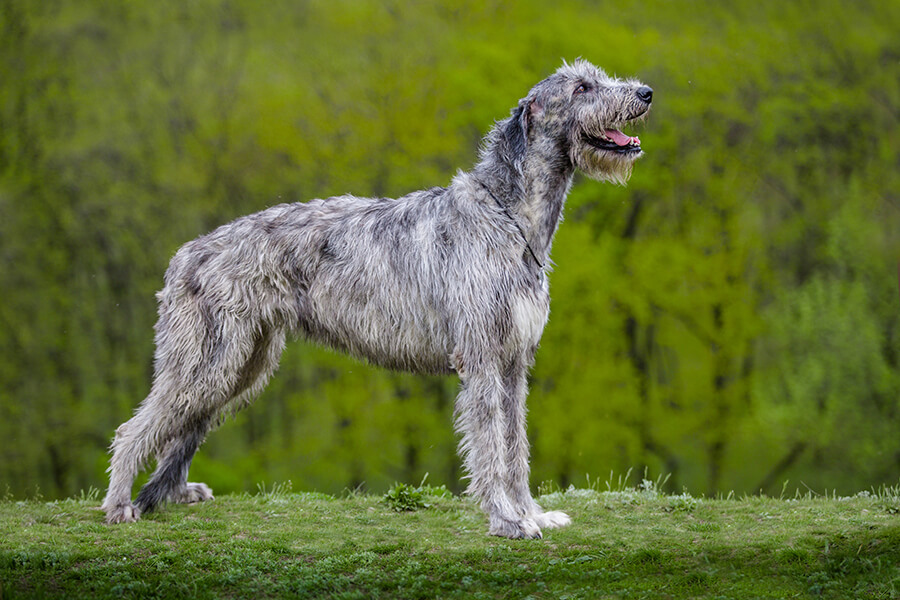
(582, 88)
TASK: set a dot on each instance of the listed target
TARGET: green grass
(625, 543)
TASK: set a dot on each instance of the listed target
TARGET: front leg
(481, 419)
(515, 392)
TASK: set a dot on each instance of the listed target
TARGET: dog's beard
(604, 165)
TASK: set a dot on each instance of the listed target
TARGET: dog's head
(583, 109)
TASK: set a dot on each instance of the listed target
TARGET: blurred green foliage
(730, 318)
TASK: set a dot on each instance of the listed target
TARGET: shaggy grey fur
(439, 281)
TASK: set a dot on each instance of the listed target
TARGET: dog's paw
(515, 529)
(192, 493)
(122, 513)
(551, 519)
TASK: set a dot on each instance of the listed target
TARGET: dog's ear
(531, 108)
(520, 124)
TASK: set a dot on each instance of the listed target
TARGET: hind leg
(134, 442)
(170, 424)
(169, 482)
(173, 465)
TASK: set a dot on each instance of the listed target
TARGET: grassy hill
(624, 543)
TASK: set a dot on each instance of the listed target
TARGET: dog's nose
(645, 94)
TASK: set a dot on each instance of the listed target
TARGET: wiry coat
(439, 281)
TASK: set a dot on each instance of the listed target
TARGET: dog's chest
(529, 311)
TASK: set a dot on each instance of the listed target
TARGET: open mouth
(613, 140)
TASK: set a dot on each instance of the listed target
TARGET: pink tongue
(621, 139)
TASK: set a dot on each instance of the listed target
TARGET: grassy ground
(622, 544)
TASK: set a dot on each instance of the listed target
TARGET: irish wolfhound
(446, 280)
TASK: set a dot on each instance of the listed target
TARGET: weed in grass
(38, 496)
(402, 497)
(91, 496)
(621, 483)
(278, 491)
(890, 499)
(546, 488)
(437, 491)
(684, 502)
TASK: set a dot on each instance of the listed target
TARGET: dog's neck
(530, 184)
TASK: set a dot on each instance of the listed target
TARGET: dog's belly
(402, 333)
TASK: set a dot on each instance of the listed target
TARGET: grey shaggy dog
(445, 280)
